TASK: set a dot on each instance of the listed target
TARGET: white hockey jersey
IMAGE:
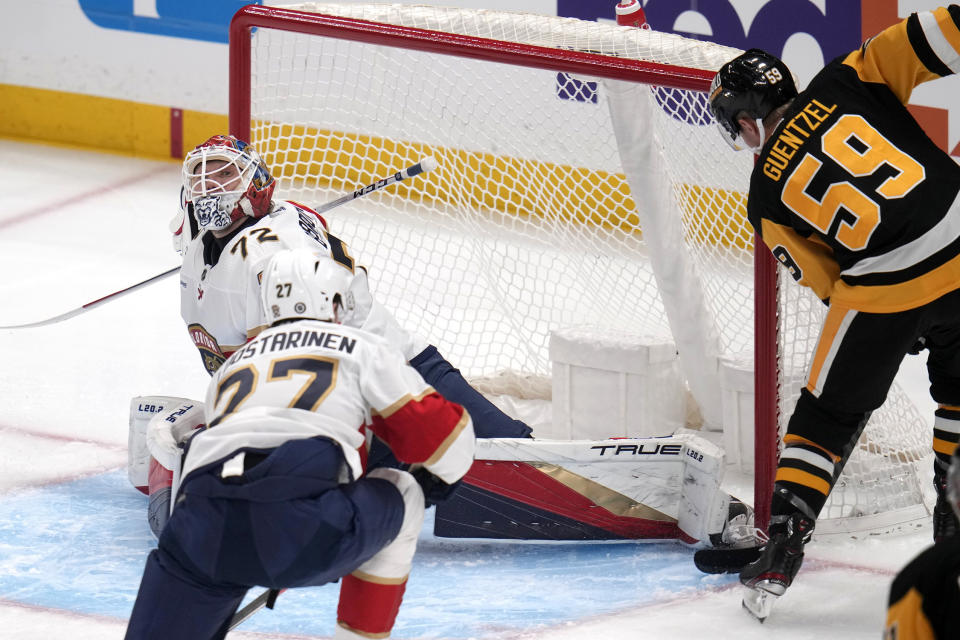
(312, 378)
(220, 302)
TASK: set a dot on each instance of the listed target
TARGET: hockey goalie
(518, 487)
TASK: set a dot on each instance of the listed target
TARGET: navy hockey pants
(284, 523)
(858, 356)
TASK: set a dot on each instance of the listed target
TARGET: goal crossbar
(580, 62)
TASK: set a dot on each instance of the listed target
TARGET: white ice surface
(76, 225)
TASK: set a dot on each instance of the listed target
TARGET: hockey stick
(265, 599)
(425, 165)
(96, 303)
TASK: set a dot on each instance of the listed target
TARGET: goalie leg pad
(630, 488)
(142, 410)
(707, 513)
(158, 427)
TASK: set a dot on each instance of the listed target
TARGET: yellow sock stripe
(944, 447)
(949, 407)
(804, 479)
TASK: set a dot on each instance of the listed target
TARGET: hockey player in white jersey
(274, 491)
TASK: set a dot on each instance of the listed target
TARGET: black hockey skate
(780, 558)
(945, 523)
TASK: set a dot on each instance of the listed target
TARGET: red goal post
(579, 62)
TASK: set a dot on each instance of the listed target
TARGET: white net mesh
(559, 201)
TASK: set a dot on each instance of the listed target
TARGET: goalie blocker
(630, 488)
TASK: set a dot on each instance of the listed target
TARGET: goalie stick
(95, 303)
(425, 165)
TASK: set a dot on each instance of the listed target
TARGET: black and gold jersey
(849, 192)
(924, 599)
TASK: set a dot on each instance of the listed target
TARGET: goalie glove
(434, 489)
(167, 434)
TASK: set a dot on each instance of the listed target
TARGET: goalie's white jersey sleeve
(220, 303)
(313, 378)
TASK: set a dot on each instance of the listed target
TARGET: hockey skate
(780, 558)
(945, 523)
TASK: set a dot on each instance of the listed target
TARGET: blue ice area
(80, 546)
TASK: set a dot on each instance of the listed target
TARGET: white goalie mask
(298, 284)
(225, 180)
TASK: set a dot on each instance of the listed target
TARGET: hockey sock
(804, 478)
(369, 605)
(946, 434)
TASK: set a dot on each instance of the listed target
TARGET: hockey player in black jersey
(858, 204)
(925, 596)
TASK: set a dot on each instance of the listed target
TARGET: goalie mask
(754, 83)
(298, 284)
(224, 180)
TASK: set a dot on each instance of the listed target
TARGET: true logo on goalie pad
(179, 412)
(645, 449)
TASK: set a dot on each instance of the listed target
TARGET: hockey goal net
(581, 184)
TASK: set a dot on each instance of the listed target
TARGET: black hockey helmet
(755, 82)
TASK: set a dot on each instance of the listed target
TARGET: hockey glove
(435, 490)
